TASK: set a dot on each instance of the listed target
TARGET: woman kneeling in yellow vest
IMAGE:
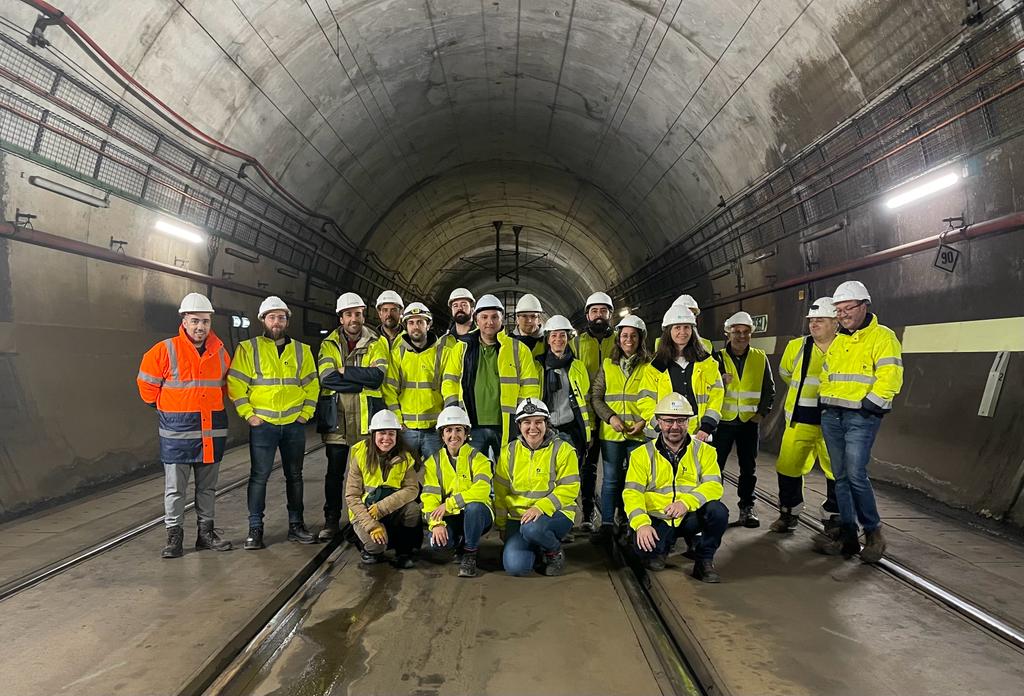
(457, 491)
(535, 487)
(381, 490)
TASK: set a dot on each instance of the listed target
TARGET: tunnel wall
(72, 333)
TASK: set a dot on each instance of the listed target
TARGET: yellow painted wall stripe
(982, 336)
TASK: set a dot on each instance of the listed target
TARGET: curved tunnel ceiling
(606, 128)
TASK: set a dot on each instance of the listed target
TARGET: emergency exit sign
(760, 323)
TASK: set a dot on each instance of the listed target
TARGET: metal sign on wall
(760, 323)
(946, 258)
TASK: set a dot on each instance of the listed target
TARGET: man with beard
(461, 303)
(273, 384)
(528, 324)
(389, 311)
(593, 346)
(353, 362)
(412, 388)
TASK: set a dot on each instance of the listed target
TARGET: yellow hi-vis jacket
(865, 365)
(517, 378)
(632, 398)
(401, 476)
(742, 396)
(790, 369)
(651, 487)
(548, 477)
(591, 352)
(580, 383)
(357, 405)
(455, 484)
(708, 391)
(276, 388)
(412, 388)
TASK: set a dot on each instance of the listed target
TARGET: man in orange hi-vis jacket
(184, 379)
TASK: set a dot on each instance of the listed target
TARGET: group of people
(440, 437)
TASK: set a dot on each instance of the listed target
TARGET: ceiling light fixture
(68, 192)
(188, 234)
(922, 190)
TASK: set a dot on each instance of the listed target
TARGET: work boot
(569, 537)
(874, 546)
(207, 538)
(331, 529)
(846, 544)
(367, 558)
(175, 539)
(604, 535)
(403, 561)
(588, 522)
(254, 541)
(832, 526)
(704, 570)
(297, 532)
(655, 563)
(748, 518)
(787, 522)
(467, 566)
(554, 563)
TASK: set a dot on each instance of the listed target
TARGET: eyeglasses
(849, 310)
(672, 422)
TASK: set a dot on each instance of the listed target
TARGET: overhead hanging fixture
(922, 190)
(68, 192)
(179, 231)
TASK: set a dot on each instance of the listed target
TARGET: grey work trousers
(176, 486)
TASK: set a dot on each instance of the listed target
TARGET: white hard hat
(273, 303)
(488, 302)
(384, 420)
(739, 318)
(598, 298)
(195, 303)
(634, 321)
(460, 294)
(688, 302)
(531, 407)
(557, 323)
(822, 308)
(348, 300)
(389, 297)
(528, 303)
(452, 415)
(678, 315)
(417, 309)
(851, 290)
(675, 404)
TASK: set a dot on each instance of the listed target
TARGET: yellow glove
(374, 511)
(379, 535)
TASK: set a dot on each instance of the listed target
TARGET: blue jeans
(849, 436)
(466, 528)
(424, 442)
(522, 542)
(484, 437)
(615, 461)
(264, 442)
(710, 521)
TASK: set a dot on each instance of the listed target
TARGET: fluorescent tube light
(922, 190)
(189, 235)
(68, 192)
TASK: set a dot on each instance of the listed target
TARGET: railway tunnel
(751, 154)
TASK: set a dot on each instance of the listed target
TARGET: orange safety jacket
(188, 390)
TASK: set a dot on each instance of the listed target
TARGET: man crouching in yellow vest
(674, 489)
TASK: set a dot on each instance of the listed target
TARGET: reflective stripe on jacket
(632, 398)
(867, 365)
(455, 484)
(790, 369)
(591, 352)
(361, 482)
(743, 394)
(517, 378)
(188, 390)
(548, 477)
(277, 388)
(650, 486)
(412, 388)
(708, 391)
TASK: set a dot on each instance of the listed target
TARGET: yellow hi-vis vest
(548, 477)
(371, 351)
(412, 388)
(632, 398)
(586, 348)
(517, 378)
(276, 388)
(867, 365)
(372, 480)
(650, 486)
(708, 391)
(742, 396)
(580, 383)
(790, 369)
(455, 484)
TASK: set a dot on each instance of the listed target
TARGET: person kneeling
(381, 489)
(674, 489)
(535, 487)
(457, 492)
